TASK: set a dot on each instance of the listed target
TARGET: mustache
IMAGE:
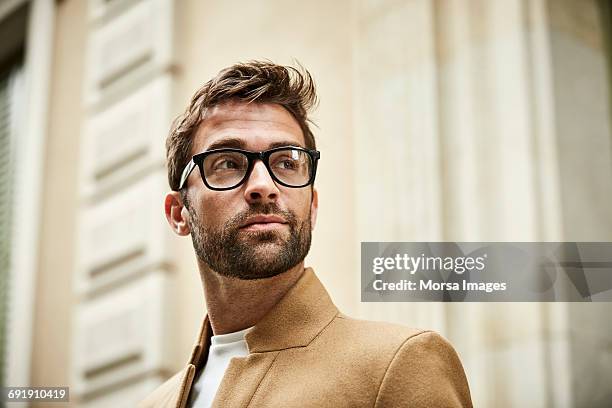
(261, 209)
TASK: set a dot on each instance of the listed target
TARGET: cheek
(301, 206)
(215, 208)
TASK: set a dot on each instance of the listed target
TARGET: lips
(263, 222)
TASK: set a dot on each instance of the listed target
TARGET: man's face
(259, 229)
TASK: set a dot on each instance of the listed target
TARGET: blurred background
(439, 120)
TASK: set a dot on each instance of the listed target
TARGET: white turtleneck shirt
(223, 348)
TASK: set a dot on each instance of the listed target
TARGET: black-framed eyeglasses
(227, 168)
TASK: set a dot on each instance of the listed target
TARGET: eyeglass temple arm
(186, 172)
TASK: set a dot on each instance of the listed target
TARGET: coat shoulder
(422, 369)
(382, 335)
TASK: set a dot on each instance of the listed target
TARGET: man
(242, 162)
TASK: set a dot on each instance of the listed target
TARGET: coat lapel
(174, 393)
(199, 354)
(241, 380)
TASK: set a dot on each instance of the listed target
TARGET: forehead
(256, 126)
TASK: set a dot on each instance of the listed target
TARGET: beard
(233, 252)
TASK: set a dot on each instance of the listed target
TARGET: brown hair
(253, 81)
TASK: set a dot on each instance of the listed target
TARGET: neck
(235, 304)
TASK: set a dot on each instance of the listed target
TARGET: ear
(176, 213)
(314, 207)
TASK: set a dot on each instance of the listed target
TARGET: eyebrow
(283, 144)
(240, 144)
(229, 142)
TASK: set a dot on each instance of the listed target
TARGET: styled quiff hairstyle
(253, 81)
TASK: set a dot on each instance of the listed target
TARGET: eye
(288, 160)
(287, 164)
(226, 164)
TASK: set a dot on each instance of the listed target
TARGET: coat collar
(293, 322)
(296, 319)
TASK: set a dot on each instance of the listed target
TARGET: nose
(260, 188)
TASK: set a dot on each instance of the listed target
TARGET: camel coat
(305, 353)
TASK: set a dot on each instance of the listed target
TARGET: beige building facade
(458, 120)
